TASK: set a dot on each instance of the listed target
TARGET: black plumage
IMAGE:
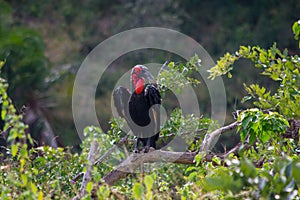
(140, 108)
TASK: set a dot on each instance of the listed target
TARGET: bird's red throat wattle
(139, 85)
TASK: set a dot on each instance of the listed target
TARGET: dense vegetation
(263, 164)
(70, 30)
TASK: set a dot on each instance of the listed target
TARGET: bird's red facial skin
(139, 86)
(137, 69)
(137, 81)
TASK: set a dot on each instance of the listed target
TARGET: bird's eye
(137, 69)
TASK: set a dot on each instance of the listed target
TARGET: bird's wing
(153, 96)
(121, 97)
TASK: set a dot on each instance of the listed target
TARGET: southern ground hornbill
(141, 107)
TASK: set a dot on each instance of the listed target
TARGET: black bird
(140, 108)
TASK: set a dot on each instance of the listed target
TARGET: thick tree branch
(135, 160)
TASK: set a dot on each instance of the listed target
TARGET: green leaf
(14, 150)
(24, 179)
(296, 172)
(1, 64)
(192, 176)
(33, 188)
(40, 195)
(137, 191)
(246, 98)
(252, 138)
(190, 169)
(248, 168)
(89, 187)
(199, 158)
(23, 151)
(264, 137)
(296, 29)
(288, 170)
(148, 181)
(3, 114)
(262, 57)
(246, 120)
(243, 135)
(217, 160)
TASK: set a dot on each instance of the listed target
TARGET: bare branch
(103, 157)
(131, 163)
(135, 160)
(293, 130)
(88, 174)
(211, 138)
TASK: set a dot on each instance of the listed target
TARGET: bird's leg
(147, 147)
(152, 141)
(136, 146)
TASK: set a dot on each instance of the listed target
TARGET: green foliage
(277, 65)
(176, 77)
(105, 141)
(13, 123)
(45, 173)
(190, 128)
(278, 176)
(267, 170)
(28, 173)
(26, 66)
(241, 179)
(256, 124)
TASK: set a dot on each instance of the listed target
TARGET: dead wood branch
(135, 160)
(88, 174)
(211, 138)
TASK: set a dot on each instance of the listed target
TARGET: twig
(88, 174)
(121, 142)
(76, 177)
(103, 157)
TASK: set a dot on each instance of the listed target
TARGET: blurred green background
(44, 42)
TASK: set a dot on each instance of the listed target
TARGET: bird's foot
(151, 149)
(148, 149)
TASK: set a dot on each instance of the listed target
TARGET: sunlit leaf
(14, 149)
(40, 195)
(148, 181)
(24, 179)
(89, 187)
(137, 191)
